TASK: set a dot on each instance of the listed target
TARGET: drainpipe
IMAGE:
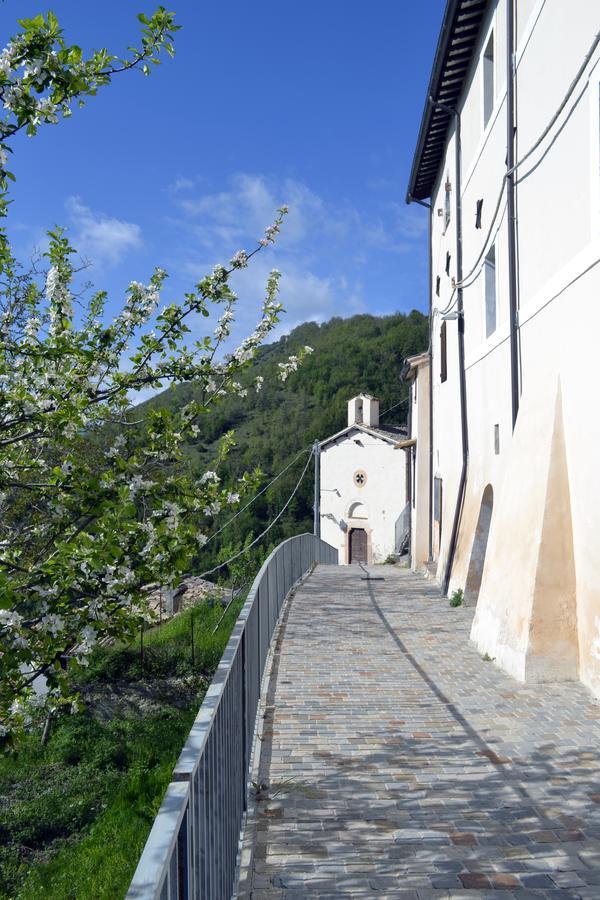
(461, 351)
(411, 199)
(409, 478)
(317, 503)
(510, 209)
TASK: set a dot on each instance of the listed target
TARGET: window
(443, 356)
(478, 210)
(437, 499)
(360, 478)
(448, 258)
(447, 207)
(496, 439)
(437, 286)
(488, 80)
(489, 270)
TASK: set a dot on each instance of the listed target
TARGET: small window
(437, 499)
(489, 268)
(360, 478)
(497, 439)
(448, 258)
(437, 286)
(488, 80)
(478, 211)
(443, 356)
(447, 205)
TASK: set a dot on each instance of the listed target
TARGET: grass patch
(74, 815)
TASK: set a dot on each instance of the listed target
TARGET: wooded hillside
(361, 353)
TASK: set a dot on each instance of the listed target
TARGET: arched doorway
(477, 561)
(358, 545)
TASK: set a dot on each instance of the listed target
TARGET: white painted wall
(558, 206)
(382, 497)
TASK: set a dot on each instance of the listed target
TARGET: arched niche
(358, 510)
(477, 561)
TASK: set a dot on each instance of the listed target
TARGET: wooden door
(358, 545)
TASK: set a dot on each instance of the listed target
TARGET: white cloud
(102, 238)
(331, 254)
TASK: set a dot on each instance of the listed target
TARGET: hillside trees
(96, 502)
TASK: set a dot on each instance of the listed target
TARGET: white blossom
(9, 618)
(52, 623)
(240, 260)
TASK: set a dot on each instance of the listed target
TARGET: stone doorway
(477, 561)
(358, 545)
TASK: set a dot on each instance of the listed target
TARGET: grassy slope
(75, 814)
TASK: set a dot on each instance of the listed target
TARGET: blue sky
(315, 104)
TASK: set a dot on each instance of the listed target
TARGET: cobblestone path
(399, 763)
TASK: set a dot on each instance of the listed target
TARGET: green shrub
(457, 597)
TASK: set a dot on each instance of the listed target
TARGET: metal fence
(192, 849)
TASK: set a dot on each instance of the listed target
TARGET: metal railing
(192, 849)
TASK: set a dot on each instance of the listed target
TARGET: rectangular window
(478, 210)
(437, 499)
(448, 258)
(488, 80)
(489, 271)
(496, 439)
(443, 355)
(447, 204)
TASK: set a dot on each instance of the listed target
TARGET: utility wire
(565, 100)
(390, 408)
(256, 496)
(267, 529)
(529, 152)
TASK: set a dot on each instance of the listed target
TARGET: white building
(508, 158)
(363, 486)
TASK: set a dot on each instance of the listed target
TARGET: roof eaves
(458, 37)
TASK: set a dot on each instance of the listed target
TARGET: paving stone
(398, 763)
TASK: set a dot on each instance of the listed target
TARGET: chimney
(363, 410)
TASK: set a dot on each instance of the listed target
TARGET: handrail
(192, 848)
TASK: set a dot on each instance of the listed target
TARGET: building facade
(508, 160)
(363, 486)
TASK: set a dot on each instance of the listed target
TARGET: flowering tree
(96, 500)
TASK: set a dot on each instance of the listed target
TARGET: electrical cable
(565, 100)
(256, 496)
(390, 408)
(532, 149)
(267, 529)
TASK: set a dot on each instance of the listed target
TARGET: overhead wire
(390, 408)
(256, 496)
(465, 280)
(267, 529)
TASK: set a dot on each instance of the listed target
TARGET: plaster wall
(538, 608)
(382, 497)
